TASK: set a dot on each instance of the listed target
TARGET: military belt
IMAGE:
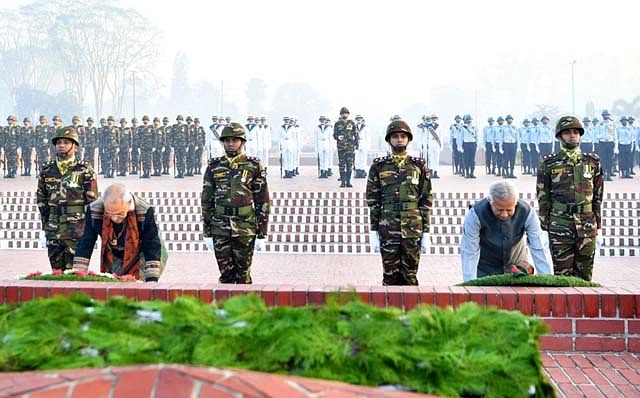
(572, 208)
(60, 210)
(234, 211)
(400, 206)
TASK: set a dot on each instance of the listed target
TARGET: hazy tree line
(54, 54)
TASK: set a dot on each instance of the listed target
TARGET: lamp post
(573, 89)
(133, 77)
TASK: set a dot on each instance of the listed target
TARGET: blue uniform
(488, 138)
(605, 141)
(455, 146)
(625, 138)
(524, 138)
(468, 136)
(534, 150)
(508, 147)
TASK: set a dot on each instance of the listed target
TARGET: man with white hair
(130, 239)
(493, 235)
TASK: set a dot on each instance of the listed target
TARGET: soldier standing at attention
(11, 144)
(75, 122)
(27, 140)
(145, 137)
(125, 145)
(190, 147)
(455, 145)
(361, 153)
(605, 140)
(166, 145)
(624, 140)
(65, 187)
(235, 207)
(399, 199)
(91, 142)
(346, 136)
(42, 142)
(110, 147)
(487, 138)
(179, 137)
(135, 146)
(586, 142)
(158, 146)
(467, 145)
(201, 140)
(570, 189)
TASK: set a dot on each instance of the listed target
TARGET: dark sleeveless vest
(498, 239)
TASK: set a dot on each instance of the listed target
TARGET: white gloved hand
(599, 241)
(209, 242)
(117, 150)
(43, 240)
(461, 150)
(139, 151)
(195, 149)
(162, 149)
(615, 150)
(425, 243)
(187, 149)
(153, 149)
(374, 241)
(130, 150)
(259, 245)
(501, 151)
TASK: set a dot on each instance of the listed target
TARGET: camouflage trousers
(123, 161)
(42, 155)
(90, 156)
(147, 159)
(234, 256)
(572, 256)
(166, 158)
(400, 259)
(180, 159)
(61, 253)
(346, 157)
(135, 160)
(191, 158)
(157, 161)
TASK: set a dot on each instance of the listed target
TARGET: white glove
(374, 241)
(518, 149)
(537, 149)
(209, 242)
(425, 243)
(187, 149)
(130, 150)
(43, 240)
(501, 151)
(162, 149)
(195, 149)
(153, 149)
(599, 241)
(615, 150)
(259, 245)
(461, 150)
(139, 151)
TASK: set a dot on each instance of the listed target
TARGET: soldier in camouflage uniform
(91, 142)
(135, 146)
(11, 145)
(65, 187)
(570, 188)
(235, 207)
(27, 141)
(179, 138)
(145, 137)
(399, 199)
(125, 137)
(201, 139)
(109, 147)
(157, 146)
(42, 134)
(103, 124)
(191, 147)
(75, 122)
(344, 132)
(166, 145)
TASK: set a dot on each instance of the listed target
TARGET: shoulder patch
(417, 160)
(253, 159)
(380, 159)
(48, 164)
(549, 156)
(214, 160)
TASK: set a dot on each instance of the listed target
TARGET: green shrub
(530, 280)
(466, 352)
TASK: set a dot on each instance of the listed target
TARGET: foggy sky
(378, 58)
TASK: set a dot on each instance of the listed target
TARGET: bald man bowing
(130, 241)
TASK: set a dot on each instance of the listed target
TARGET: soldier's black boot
(471, 175)
(348, 177)
(329, 173)
(343, 180)
(435, 175)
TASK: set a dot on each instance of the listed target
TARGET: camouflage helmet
(89, 119)
(398, 126)
(103, 120)
(75, 118)
(57, 118)
(123, 120)
(165, 119)
(26, 119)
(66, 132)
(11, 118)
(233, 130)
(189, 119)
(134, 120)
(457, 117)
(196, 120)
(156, 119)
(42, 117)
(111, 119)
(344, 110)
(145, 117)
(568, 122)
(179, 117)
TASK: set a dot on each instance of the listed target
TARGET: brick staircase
(316, 222)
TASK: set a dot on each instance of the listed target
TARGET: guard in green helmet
(235, 207)
(570, 189)
(400, 200)
(65, 187)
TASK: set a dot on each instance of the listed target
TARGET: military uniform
(624, 142)
(235, 209)
(456, 156)
(158, 147)
(468, 139)
(287, 148)
(125, 145)
(11, 145)
(508, 147)
(179, 138)
(323, 143)
(42, 142)
(201, 140)
(399, 199)
(166, 152)
(64, 189)
(91, 143)
(570, 188)
(605, 140)
(524, 138)
(110, 147)
(27, 142)
(360, 161)
(264, 142)
(487, 138)
(135, 146)
(346, 136)
(75, 123)
(146, 137)
(190, 147)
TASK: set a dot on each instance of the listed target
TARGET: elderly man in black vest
(493, 236)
